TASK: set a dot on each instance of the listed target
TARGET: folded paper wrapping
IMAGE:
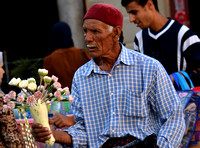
(39, 113)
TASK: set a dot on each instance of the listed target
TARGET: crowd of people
(122, 97)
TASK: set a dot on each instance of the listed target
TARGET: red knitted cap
(105, 13)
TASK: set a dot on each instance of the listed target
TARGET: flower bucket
(39, 113)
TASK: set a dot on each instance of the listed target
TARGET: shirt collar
(124, 57)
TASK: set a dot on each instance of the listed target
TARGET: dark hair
(140, 2)
(121, 38)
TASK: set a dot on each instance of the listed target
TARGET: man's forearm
(62, 137)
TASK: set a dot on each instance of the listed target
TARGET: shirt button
(110, 75)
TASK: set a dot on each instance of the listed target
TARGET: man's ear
(150, 5)
(117, 31)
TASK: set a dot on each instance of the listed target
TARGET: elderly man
(120, 96)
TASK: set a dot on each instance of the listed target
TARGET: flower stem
(51, 102)
(41, 78)
(29, 92)
(43, 98)
(47, 99)
(25, 92)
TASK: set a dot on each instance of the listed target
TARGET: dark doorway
(25, 27)
(194, 12)
(25, 35)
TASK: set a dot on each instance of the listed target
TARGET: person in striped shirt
(165, 39)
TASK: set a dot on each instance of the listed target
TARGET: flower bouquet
(36, 98)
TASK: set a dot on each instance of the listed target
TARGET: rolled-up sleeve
(170, 111)
(77, 131)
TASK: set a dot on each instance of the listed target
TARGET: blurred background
(25, 28)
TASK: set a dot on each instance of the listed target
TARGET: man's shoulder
(141, 61)
(83, 69)
(139, 57)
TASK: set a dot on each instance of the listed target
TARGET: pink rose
(58, 95)
(5, 108)
(66, 90)
(12, 94)
(54, 78)
(6, 98)
(57, 85)
(11, 105)
(31, 100)
(38, 95)
(20, 99)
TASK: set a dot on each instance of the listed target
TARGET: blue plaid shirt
(136, 98)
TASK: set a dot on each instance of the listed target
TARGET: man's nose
(88, 37)
(131, 18)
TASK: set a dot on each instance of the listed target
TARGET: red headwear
(105, 13)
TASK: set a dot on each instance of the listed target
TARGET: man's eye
(95, 31)
(133, 12)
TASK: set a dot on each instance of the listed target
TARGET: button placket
(112, 112)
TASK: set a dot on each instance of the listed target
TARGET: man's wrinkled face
(141, 16)
(98, 37)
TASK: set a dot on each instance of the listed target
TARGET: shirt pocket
(135, 104)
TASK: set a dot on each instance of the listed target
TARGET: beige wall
(71, 12)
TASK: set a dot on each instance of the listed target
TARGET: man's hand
(62, 120)
(40, 133)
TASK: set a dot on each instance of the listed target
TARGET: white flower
(31, 80)
(42, 72)
(14, 81)
(32, 86)
(23, 84)
(47, 79)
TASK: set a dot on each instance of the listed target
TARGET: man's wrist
(62, 137)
